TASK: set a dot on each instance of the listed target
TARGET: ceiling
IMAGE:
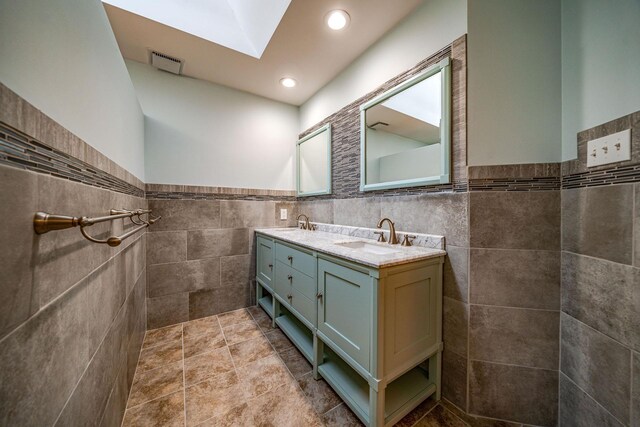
(302, 47)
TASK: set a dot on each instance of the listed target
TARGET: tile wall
(72, 313)
(600, 270)
(200, 255)
(514, 296)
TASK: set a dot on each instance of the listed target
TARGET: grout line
(626, 346)
(104, 337)
(512, 308)
(71, 288)
(592, 398)
(599, 259)
(426, 413)
(454, 414)
(631, 373)
(513, 365)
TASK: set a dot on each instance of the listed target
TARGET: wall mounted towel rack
(44, 222)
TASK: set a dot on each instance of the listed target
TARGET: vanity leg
(435, 368)
(376, 404)
(318, 355)
(276, 311)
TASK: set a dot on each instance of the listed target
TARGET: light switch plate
(283, 214)
(612, 148)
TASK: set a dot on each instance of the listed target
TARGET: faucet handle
(407, 239)
(381, 237)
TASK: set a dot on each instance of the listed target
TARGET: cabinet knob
(290, 277)
(290, 258)
(289, 297)
(319, 296)
(271, 266)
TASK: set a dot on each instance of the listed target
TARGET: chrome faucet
(306, 225)
(393, 239)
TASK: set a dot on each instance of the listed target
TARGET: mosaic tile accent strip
(525, 184)
(616, 175)
(345, 130)
(181, 195)
(517, 177)
(196, 192)
(20, 151)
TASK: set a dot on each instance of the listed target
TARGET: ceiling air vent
(166, 62)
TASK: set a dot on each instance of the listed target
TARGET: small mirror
(405, 133)
(314, 163)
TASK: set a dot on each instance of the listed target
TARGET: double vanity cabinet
(369, 323)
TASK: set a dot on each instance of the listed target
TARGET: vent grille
(165, 62)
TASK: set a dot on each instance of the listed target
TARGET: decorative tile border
(517, 177)
(21, 116)
(172, 191)
(182, 195)
(20, 151)
(615, 175)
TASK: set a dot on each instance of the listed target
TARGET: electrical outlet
(612, 148)
(283, 214)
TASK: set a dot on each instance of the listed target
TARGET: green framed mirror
(313, 158)
(405, 133)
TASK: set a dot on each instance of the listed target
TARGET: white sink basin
(371, 248)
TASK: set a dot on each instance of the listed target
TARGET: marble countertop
(325, 242)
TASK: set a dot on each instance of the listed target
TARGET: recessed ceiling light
(337, 19)
(287, 82)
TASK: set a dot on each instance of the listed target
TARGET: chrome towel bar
(44, 222)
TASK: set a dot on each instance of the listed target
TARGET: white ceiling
(302, 47)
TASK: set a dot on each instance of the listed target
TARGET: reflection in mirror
(314, 163)
(405, 133)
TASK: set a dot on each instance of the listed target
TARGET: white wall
(600, 65)
(62, 57)
(514, 82)
(200, 133)
(428, 29)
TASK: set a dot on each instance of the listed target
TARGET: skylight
(242, 25)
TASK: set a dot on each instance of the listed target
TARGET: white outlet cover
(612, 148)
(283, 214)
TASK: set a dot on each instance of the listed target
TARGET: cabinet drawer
(293, 278)
(282, 284)
(297, 259)
(304, 306)
(264, 261)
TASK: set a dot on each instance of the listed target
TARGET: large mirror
(314, 163)
(405, 133)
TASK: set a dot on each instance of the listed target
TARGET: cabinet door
(344, 309)
(264, 261)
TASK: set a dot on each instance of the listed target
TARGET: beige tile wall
(72, 312)
(200, 256)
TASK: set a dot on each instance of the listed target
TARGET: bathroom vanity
(366, 315)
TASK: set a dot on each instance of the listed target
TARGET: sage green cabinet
(344, 309)
(264, 261)
(374, 334)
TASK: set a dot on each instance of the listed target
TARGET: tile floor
(234, 369)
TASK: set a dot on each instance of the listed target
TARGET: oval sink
(371, 248)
